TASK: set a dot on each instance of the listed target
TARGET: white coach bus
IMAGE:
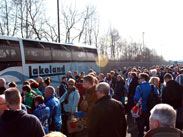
(22, 59)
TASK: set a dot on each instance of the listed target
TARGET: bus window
(91, 54)
(60, 53)
(78, 54)
(10, 55)
(37, 52)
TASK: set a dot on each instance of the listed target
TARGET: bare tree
(114, 37)
(104, 43)
(50, 33)
(96, 31)
(118, 49)
(25, 18)
(85, 25)
(88, 25)
(70, 19)
(6, 10)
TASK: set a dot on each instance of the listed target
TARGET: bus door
(23, 60)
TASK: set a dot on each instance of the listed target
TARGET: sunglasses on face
(71, 84)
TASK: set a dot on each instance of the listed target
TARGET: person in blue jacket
(143, 91)
(42, 112)
(72, 98)
(55, 119)
(70, 103)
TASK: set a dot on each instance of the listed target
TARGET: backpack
(153, 99)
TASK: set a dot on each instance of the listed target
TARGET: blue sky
(161, 20)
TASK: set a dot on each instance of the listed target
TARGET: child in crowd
(42, 112)
(12, 84)
(28, 96)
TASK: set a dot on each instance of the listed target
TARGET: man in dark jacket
(63, 86)
(172, 95)
(132, 88)
(108, 117)
(119, 90)
(16, 122)
(76, 76)
(114, 80)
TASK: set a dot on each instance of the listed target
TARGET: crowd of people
(104, 100)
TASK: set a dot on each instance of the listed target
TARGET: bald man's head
(2, 82)
(2, 104)
(103, 89)
(49, 90)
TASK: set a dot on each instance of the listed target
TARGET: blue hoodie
(43, 113)
(55, 119)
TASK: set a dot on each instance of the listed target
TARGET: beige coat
(91, 99)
